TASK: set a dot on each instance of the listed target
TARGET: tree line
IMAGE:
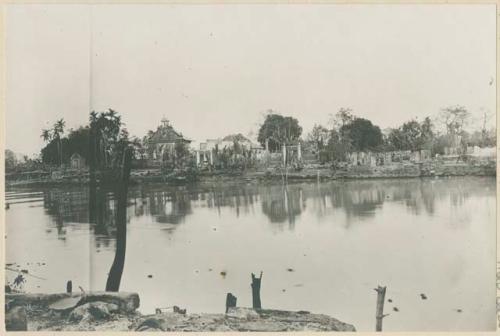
(347, 133)
(103, 139)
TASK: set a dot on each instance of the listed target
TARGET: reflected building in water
(280, 203)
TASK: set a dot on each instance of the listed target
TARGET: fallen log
(126, 302)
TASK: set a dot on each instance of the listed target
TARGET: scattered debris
(16, 320)
(19, 280)
(105, 311)
(223, 274)
(92, 311)
(178, 310)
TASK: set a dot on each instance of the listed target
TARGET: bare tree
(454, 118)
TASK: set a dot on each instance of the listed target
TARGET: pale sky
(214, 69)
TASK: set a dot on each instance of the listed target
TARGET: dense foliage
(278, 130)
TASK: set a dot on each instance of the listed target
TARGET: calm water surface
(322, 247)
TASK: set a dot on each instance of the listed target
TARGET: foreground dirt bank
(106, 311)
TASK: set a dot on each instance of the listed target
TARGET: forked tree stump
(256, 291)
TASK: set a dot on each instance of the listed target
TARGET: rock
(65, 304)
(242, 313)
(150, 324)
(92, 311)
(15, 319)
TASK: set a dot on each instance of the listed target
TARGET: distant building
(211, 148)
(77, 161)
(161, 143)
(230, 140)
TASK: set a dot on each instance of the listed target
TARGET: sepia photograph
(271, 167)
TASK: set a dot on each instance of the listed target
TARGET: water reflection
(327, 227)
(279, 203)
(282, 204)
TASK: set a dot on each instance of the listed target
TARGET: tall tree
(454, 119)
(412, 135)
(46, 135)
(363, 135)
(343, 117)
(10, 160)
(318, 138)
(58, 131)
(278, 130)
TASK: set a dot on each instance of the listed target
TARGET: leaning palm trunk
(116, 271)
(60, 152)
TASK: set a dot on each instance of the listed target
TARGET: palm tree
(58, 130)
(46, 135)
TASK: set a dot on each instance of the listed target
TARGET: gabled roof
(167, 134)
(76, 154)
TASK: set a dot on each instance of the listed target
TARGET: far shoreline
(323, 174)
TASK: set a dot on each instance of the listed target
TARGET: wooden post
(256, 291)
(69, 287)
(379, 314)
(230, 301)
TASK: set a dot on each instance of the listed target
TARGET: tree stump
(256, 291)
(379, 314)
(230, 301)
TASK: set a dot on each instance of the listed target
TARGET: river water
(321, 247)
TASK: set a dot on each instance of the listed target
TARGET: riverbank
(108, 311)
(313, 172)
